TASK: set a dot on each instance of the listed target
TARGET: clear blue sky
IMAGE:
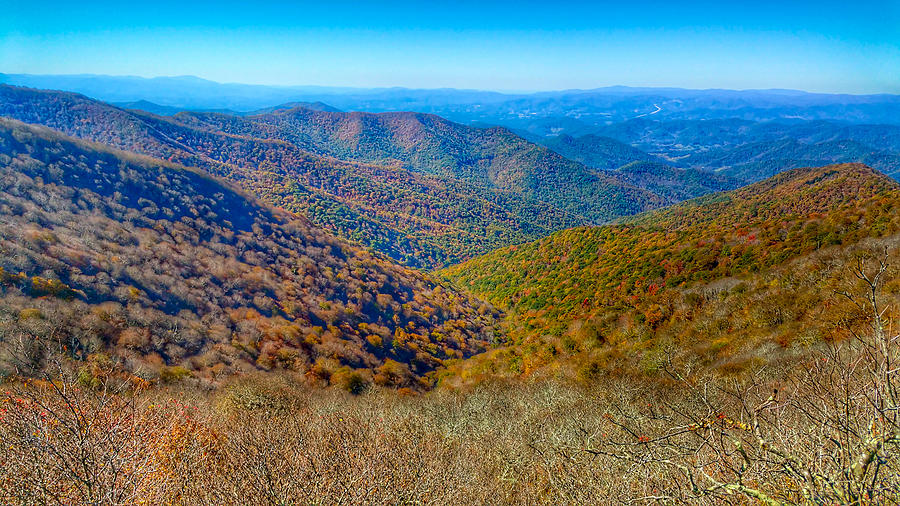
(832, 46)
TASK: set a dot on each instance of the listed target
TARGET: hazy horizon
(819, 47)
(438, 88)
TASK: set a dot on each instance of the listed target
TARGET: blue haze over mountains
(601, 105)
(745, 135)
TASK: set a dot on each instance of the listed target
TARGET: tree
(829, 434)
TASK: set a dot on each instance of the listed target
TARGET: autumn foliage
(723, 277)
(176, 275)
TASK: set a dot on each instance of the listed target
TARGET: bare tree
(67, 443)
(828, 434)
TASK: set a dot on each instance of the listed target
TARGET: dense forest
(596, 151)
(498, 189)
(723, 277)
(752, 150)
(675, 184)
(170, 273)
(429, 144)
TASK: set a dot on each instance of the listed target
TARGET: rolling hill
(418, 188)
(596, 151)
(727, 279)
(430, 145)
(168, 272)
(673, 183)
(516, 110)
(746, 151)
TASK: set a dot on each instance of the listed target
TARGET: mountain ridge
(461, 216)
(614, 293)
(616, 103)
(161, 266)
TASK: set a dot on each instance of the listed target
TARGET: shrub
(173, 374)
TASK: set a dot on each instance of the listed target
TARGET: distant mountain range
(430, 192)
(591, 107)
(165, 110)
(750, 150)
(744, 150)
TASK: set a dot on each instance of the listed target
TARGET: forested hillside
(752, 151)
(169, 273)
(440, 192)
(164, 336)
(489, 158)
(720, 279)
(596, 151)
(673, 183)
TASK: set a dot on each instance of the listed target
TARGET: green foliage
(597, 151)
(675, 184)
(173, 374)
(166, 268)
(699, 275)
(420, 189)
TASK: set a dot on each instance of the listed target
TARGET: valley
(730, 280)
(165, 269)
(310, 300)
(390, 198)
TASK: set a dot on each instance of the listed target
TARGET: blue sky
(829, 46)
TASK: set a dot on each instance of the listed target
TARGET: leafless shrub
(827, 434)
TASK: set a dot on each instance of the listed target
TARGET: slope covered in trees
(722, 278)
(431, 199)
(753, 151)
(427, 144)
(597, 151)
(106, 255)
(673, 183)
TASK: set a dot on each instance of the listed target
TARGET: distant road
(658, 108)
